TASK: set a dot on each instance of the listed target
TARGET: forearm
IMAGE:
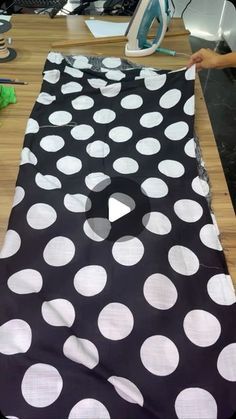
(226, 60)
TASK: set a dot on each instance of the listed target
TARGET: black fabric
(133, 318)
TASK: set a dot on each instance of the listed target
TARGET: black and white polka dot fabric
(131, 319)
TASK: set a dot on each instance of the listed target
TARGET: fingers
(201, 58)
(194, 59)
(199, 66)
(197, 57)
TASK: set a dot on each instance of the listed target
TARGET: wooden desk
(32, 38)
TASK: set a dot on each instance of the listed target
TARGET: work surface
(32, 39)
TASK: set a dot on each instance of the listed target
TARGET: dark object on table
(54, 5)
(110, 7)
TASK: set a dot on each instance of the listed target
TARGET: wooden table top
(32, 37)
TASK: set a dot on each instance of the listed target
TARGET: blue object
(145, 14)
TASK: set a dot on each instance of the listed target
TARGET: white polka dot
(82, 102)
(188, 210)
(148, 146)
(104, 116)
(58, 312)
(151, 119)
(171, 168)
(128, 250)
(82, 132)
(88, 409)
(81, 62)
(52, 76)
(154, 188)
(209, 237)
(131, 102)
(226, 363)
(190, 73)
(69, 165)
(183, 260)
(157, 223)
(189, 106)
(82, 351)
(120, 134)
(202, 328)
(97, 181)
(159, 355)
(111, 90)
(202, 163)
(146, 72)
(15, 337)
(26, 281)
(155, 82)
(60, 118)
(28, 157)
(189, 148)
(55, 57)
(47, 182)
(74, 72)
(160, 292)
(41, 216)
(195, 403)
(97, 229)
(221, 290)
(52, 143)
(32, 126)
(200, 186)
(77, 202)
(45, 99)
(116, 75)
(11, 417)
(98, 149)
(127, 390)
(71, 87)
(97, 83)
(41, 385)
(90, 280)
(215, 224)
(125, 165)
(19, 196)
(115, 321)
(111, 62)
(177, 131)
(11, 245)
(170, 98)
(59, 251)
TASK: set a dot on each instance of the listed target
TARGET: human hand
(205, 58)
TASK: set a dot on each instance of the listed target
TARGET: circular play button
(117, 210)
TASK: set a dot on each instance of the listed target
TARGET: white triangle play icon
(116, 209)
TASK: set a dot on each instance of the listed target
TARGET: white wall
(202, 17)
(228, 25)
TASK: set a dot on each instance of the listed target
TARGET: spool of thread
(6, 54)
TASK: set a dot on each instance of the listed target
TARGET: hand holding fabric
(206, 58)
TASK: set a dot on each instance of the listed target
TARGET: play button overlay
(119, 205)
(117, 210)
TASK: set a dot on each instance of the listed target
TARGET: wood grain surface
(33, 37)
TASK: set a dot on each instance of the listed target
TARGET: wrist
(226, 60)
(221, 60)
